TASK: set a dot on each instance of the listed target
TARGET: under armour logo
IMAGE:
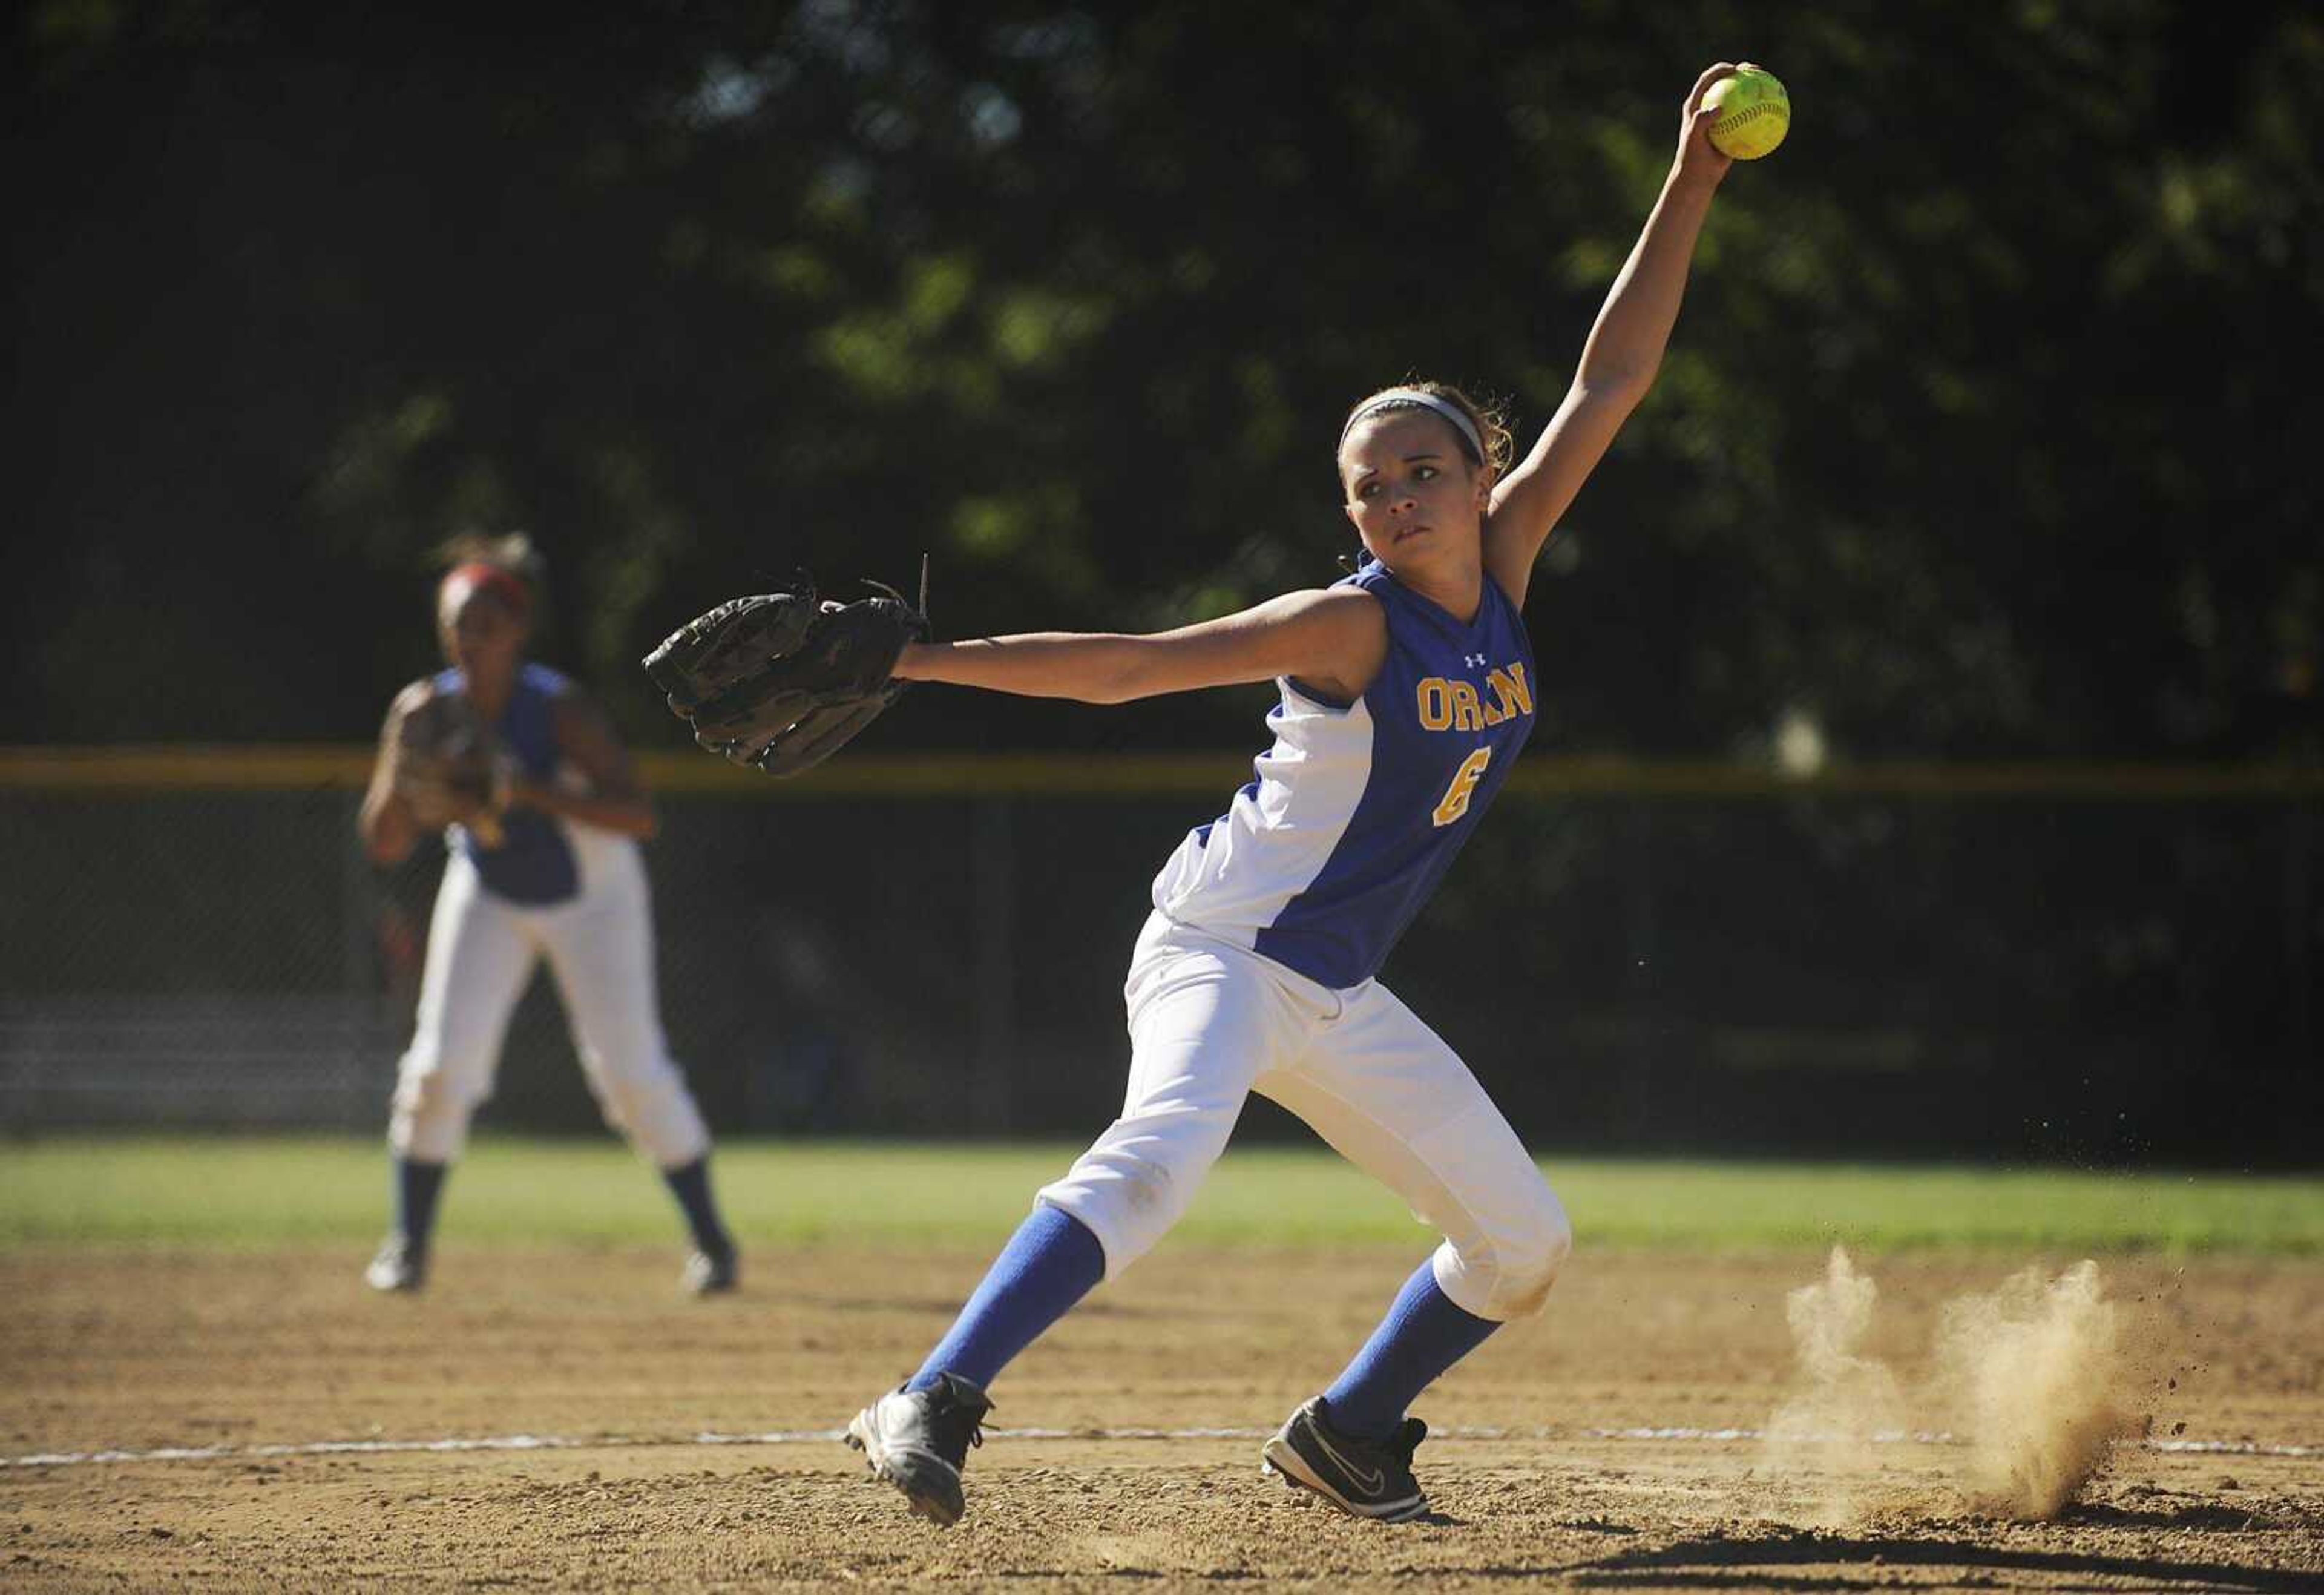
(1473, 661)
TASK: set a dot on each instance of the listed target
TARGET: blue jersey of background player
(1406, 692)
(532, 861)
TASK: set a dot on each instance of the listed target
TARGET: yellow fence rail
(261, 767)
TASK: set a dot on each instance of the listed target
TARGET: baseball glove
(444, 767)
(781, 681)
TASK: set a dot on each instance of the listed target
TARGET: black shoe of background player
(399, 1265)
(712, 1273)
(1363, 1478)
(919, 1441)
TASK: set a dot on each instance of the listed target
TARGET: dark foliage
(1981, 436)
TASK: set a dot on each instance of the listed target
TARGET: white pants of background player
(482, 950)
(1211, 1022)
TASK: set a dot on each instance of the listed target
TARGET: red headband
(498, 580)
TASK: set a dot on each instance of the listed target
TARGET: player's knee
(1549, 1244)
(1503, 1269)
(429, 1118)
(622, 1100)
(1150, 1193)
(1531, 1258)
(656, 1114)
(1128, 1200)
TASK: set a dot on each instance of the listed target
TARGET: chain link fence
(1948, 963)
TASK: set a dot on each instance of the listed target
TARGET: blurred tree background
(1984, 436)
(1980, 435)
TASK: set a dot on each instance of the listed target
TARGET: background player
(1407, 691)
(564, 878)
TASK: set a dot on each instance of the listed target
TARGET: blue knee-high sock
(416, 1186)
(1423, 1336)
(1049, 1264)
(690, 1184)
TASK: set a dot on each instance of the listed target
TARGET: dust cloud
(2031, 1374)
(1844, 1403)
(2024, 1379)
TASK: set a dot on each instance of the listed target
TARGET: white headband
(1397, 397)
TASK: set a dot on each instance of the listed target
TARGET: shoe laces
(1406, 1440)
(948, 1406)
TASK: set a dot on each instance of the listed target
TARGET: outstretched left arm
(1619, 361)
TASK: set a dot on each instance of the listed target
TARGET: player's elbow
(1126, 672)
(1112, 692)
(386, 839)
(387, 847)
(1618, 390)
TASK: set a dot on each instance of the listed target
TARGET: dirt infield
(1612, 1443)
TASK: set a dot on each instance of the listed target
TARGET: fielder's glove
(445, 766)
(781, 681)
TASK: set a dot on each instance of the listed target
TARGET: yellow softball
(1754, 113)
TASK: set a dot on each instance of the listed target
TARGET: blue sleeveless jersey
(534, 864)
(1354, 815)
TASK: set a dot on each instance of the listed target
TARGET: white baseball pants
(481, 952)
(1211, 1022)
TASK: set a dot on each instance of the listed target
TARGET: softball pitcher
(1406, 692)
(543, 814)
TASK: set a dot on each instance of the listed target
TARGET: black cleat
(1363, 1478)
(399, 1265)
(918, 1440)
(712, 1273)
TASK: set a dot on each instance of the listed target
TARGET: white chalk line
(318, 1448)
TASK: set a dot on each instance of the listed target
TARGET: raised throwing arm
(1618, 361)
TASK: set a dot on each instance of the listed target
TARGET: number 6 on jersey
(1455, 801)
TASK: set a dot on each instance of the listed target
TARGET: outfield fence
(2051, 962)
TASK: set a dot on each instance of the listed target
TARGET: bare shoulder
(1355, 609)
(1347, 629)
(1344, 622)
(414, 697)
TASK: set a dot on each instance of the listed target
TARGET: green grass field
(266, 1192)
